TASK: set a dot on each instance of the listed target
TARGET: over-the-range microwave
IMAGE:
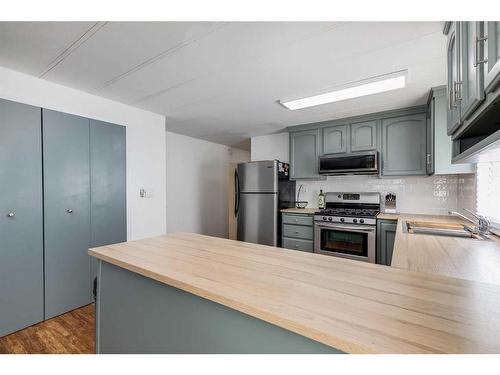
(351, 163)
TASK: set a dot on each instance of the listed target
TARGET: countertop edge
(336, 343)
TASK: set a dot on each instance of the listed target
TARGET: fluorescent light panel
(381, 84)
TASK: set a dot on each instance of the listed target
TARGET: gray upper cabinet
(66, 212)
(364, 136)
(492, 58)
(470, 85)
(404, 145)
(430, 123)
(304, 153)
(335, 139)
(108, 214)
(453, 77)
(21, 220)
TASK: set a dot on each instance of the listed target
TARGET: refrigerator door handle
(236, 192)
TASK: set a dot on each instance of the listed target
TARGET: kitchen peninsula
(189, 293)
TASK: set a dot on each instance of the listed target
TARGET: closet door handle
(11, 214)
(69, 211)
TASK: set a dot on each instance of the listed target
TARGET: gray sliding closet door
(21, 227)
(67, 212)
(108, 209)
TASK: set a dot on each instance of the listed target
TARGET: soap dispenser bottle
(321, 200)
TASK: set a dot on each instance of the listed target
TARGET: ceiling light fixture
(375, 85)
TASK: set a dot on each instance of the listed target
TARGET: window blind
(488, 191)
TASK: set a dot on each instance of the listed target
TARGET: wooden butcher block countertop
(466, 258)
(353, 306)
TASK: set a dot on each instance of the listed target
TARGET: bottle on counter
(321, 200)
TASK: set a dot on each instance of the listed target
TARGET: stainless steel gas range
(347, 226)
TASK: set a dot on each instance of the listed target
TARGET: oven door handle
(346, 228)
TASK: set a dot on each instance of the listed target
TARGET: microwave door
(349, 164)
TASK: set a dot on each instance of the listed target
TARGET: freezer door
(258, 176)
(258, 219)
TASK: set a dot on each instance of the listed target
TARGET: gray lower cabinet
(404, 145)
(364, 136)
(297, 232)
(108, 214)
(136, 314)
(21, 221)
(386, 234)
(335, 139)
(492, 55)
(304, 153)
(66, 212)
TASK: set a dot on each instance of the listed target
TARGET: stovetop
(349, 208)
(349, 212)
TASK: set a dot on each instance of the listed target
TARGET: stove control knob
(361, 221)
(354, 220)
(330, 218)
(324, 218)
(342, 219)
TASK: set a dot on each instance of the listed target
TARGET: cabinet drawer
(297, 219)
(301, 245)
(298, 231)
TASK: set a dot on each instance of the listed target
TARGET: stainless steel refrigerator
(262, 188)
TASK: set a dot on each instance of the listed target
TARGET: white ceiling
(222, 81)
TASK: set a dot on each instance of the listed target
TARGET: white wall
(269, 147)
(419, 194)
(197, 184)
(145, 142)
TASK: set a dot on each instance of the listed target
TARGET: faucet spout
(482, 225)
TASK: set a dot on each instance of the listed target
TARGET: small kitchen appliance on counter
(347, 226)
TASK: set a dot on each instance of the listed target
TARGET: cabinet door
(66, 212)
(364, 136)
(430, 122)
(21, 226)
(335, 139)
(386, 234)
(108, 201)
(492, 50)
(471, 91)
(304, 153)
(404, 145)
(453, 77)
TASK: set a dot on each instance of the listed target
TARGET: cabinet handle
(476, 51)
(69, 211)
(11, 214)
(458, 91)
(451, 94)
(296, 232)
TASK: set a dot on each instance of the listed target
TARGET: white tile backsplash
(434, 195)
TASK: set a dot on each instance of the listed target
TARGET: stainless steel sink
(441, 229)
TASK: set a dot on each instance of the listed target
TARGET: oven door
(346, 241)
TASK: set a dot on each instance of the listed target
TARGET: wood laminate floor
(70, 333)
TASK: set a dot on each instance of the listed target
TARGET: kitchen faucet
(481, 226)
